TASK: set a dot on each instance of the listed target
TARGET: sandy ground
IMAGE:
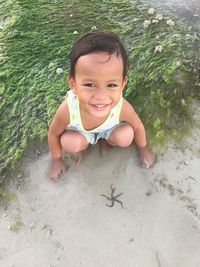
(68, 224)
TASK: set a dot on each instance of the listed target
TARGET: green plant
(35, 40)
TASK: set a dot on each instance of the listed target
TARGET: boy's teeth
(100, 106)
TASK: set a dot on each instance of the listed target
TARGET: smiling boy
(94, 108)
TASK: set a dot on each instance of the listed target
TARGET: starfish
(113, 198)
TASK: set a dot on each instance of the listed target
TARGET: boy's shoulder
(127, 109)
(70, 94)
(63, 109)
(126, 104)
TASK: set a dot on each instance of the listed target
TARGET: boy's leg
(73, 141)
(104, 146)
(121, 136)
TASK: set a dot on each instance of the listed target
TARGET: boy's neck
(90, 122)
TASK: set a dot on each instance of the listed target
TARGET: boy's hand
(146, 156)
(57, 168)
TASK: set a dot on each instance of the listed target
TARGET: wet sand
(68, 224)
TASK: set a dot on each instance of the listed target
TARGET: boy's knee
(122, 136)
(73, 142)
(126, 138)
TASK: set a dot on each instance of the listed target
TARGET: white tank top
(75, 118)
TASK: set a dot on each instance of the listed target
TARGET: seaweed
(35, 42)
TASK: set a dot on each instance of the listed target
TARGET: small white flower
(183, 103)
(51, 64)
(71, 15)
(158, 49)
(146, 23)
(159, 17)
(188, 36)
(151, 11)
(154, 21)
(75, 32)
(170, 22)
(94, 27)
(59, 71)
(2, 24)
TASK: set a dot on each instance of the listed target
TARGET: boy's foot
(80, 156)
(104, 147)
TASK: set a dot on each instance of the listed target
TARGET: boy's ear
(71, 83)
(124, 82)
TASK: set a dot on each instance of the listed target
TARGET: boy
(94, 108)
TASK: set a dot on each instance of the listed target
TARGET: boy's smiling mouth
(100, 106)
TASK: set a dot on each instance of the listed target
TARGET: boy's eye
(112, 85)
(89, 85)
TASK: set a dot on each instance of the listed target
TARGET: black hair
(98, 42)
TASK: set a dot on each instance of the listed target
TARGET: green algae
(6, 196)
(16, 225)
(35, 40)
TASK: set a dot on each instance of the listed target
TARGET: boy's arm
(56, 128)
(129, 115)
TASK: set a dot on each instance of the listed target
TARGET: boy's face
(98, 82)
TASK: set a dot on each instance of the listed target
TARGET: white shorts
(93, 137)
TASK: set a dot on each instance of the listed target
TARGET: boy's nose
(100, 94)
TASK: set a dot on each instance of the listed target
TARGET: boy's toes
(104, 147)
(79, 157)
